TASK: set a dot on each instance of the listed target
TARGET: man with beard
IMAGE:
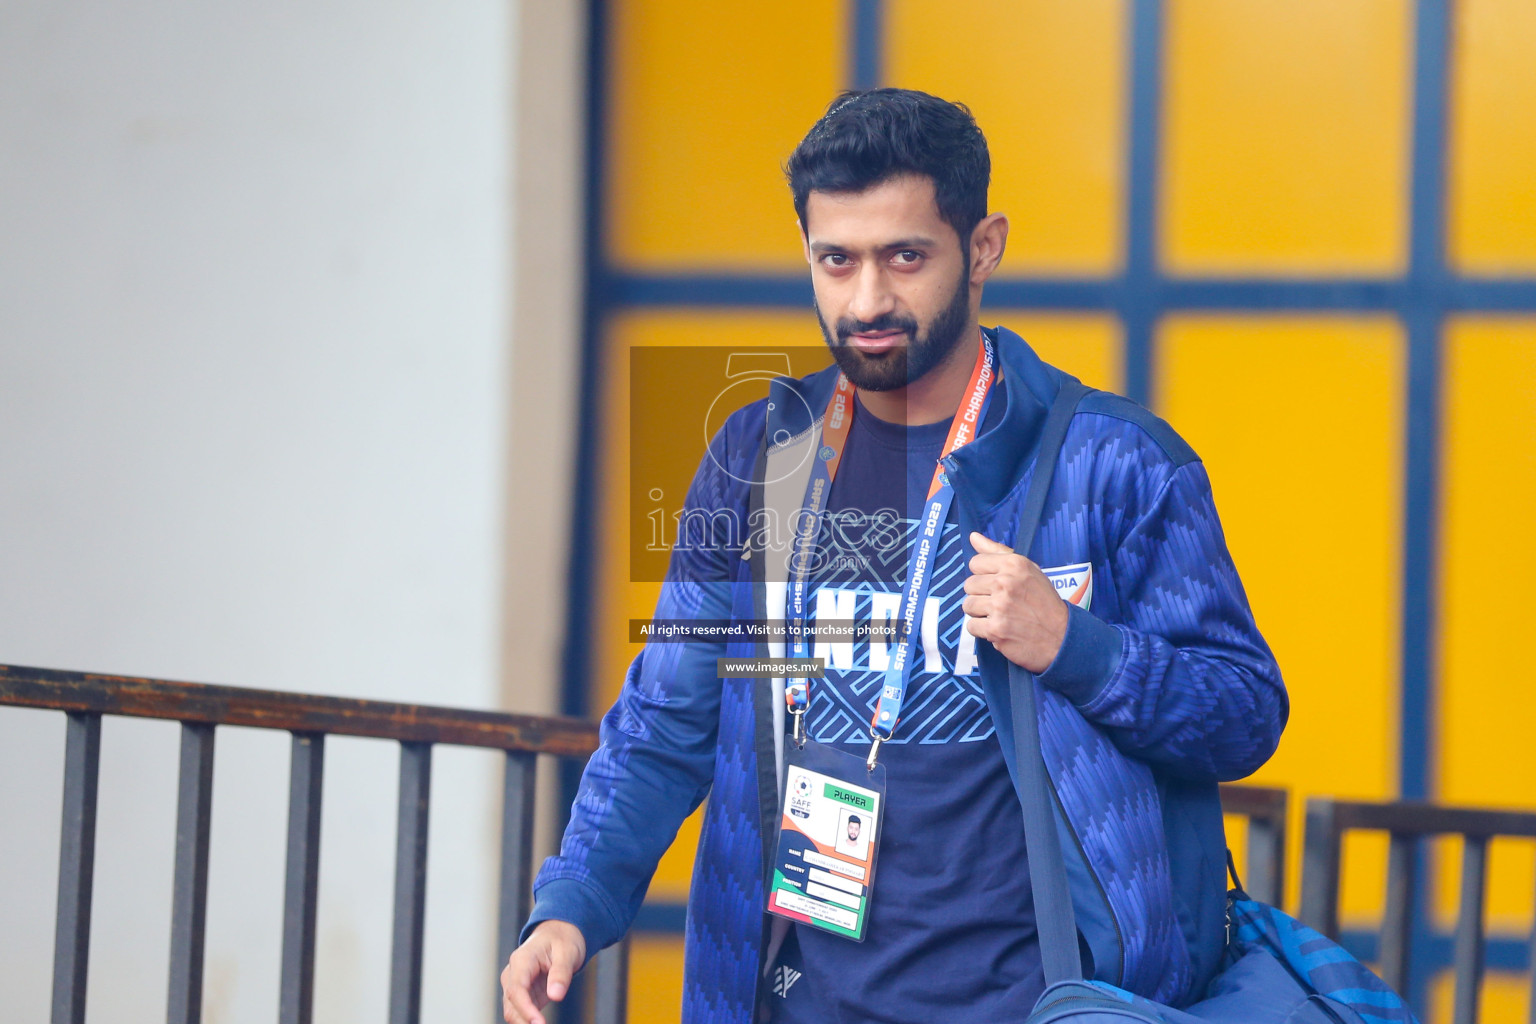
(1155, 682)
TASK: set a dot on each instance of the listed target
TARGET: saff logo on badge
(1073, 583)
(800, 800)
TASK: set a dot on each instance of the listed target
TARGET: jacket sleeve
(1184, 680)
(655, 759)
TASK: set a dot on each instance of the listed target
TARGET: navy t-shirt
(951, 932)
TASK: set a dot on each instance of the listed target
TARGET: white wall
(255, 282)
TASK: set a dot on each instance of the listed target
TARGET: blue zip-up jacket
(1160, 691)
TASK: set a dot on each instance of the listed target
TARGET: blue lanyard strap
(919, 569)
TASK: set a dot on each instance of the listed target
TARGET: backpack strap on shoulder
(1054, 916)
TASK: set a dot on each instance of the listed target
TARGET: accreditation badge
(824, 865)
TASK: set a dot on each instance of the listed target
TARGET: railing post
(1397, 923)
(1470, 940)
(410, 882)
(301, 888)
(612, 984)
(1320, 868)
(517, 799)
(77, 858)
(1266, 859)
(189, 897)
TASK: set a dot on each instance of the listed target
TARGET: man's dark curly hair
(865, 138)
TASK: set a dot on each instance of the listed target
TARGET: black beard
(900, 366)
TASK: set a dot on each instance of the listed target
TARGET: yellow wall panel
(1286, 136)
(1299, 422)
(1086, 345)
(1492, 224)
(1505, 998)
(675, 872)
(705, 104)
(1488, 557)
(1046, 81)
(655, 980)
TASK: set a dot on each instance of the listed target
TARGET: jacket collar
(986, 470)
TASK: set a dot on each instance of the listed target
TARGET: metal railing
(201, 709)
(1409, 823)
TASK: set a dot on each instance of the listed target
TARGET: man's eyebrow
(919, 242)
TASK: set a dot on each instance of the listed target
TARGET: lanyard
(834, 436)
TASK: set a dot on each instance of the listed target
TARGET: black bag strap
(1054, 917)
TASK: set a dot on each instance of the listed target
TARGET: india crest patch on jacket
(1074, 583)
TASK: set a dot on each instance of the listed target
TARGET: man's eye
(907, 257)
(835, 259)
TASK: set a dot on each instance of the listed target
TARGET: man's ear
(805, 240)
(987, 244)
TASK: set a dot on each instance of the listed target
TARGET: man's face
(891, 280)
(853, 831)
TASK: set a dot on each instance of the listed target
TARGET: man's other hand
(539, 971)
(1013, 605)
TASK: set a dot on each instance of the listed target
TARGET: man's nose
(872, 296)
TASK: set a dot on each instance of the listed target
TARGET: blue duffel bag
(1276, 970)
